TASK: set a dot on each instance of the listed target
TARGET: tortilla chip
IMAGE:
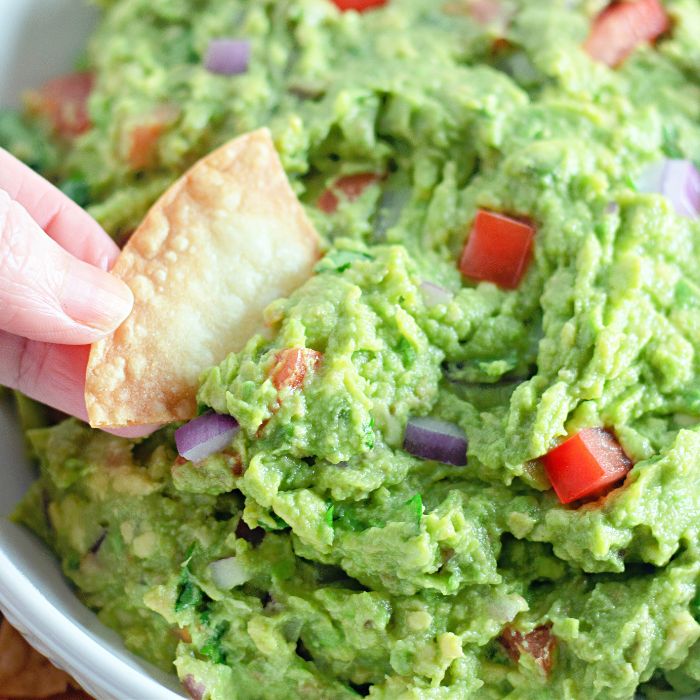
(24, 673)
(223, 242)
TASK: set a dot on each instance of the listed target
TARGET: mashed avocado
(352, 567)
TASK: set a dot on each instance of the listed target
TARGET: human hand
(56, 296)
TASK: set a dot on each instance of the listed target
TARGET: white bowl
(38, 40)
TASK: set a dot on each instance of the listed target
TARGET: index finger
(54, 375)
(62, 219)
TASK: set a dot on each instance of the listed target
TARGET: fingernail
(104, 262)
(95, 298)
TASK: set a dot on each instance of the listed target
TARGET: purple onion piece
(227, 56)
(253, 535)
(434, 294)
(194, 688)
(678, 180)
(45, 503)
(432, 438)
(95, 547)
(205, 435)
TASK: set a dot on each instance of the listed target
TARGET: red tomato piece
(540, 644)
(481, 11)
(498, 249)
(183, 633)
(142, 151)
(293, 364)
(143, 145)
(486, 11)
(63, 101)
(586, 465)
(351, 186)
(358, 5)
(622, 26)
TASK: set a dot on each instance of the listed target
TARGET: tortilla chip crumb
(223, 242)
(25, 674)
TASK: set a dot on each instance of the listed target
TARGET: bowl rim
(62, 640)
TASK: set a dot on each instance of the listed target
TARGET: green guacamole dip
(354, 567)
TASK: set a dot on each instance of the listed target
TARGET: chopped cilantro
(406, 351)
(189, 594)
(213, 650)
(279, 522)
(341, 260)
(369, 434)
(346, 516)
(686, 293)
(695, 606)
(669, 144)
(78, 190)
(415, 505)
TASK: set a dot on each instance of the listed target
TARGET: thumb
(47, 294)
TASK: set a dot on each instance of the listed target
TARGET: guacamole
(315, 557)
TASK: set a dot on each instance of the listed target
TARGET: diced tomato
(586, 465)
(622, 26)
(486, 11)
(498, 249)
(63, 101)
(481, 11)
(261, 428)
(293, 364)
(358, 5)
(236, 463)
(500, 45)
(142, 150)
(143, 145)
(352, 186)
(540, 644)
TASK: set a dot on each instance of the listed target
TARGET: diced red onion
(227, 56)
(205, 435)
(194, 688)
(95, 547)
(676, 179)
(432, 438)
(434, 294)
(228, 573)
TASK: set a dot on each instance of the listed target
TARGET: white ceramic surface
(39, 39)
